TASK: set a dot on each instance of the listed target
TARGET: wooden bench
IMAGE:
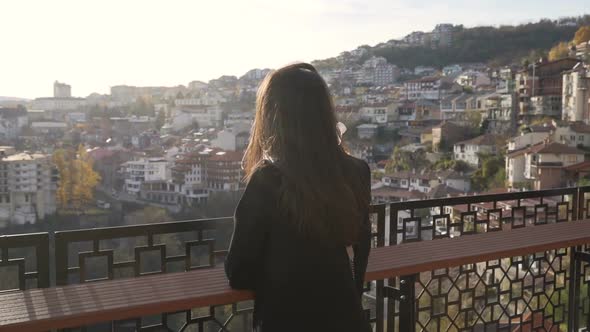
(83, 304)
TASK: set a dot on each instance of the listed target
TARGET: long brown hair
(295, 126)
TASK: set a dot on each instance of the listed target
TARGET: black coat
(300, 285)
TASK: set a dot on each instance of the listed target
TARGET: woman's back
(301, 214)
(301, 284)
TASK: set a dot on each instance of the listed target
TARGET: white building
(473, 79)
(145, 170)
(232, 138)
(203, 116)
(526, 139)
(58, 104)
(576, 94)
(27, 188)
(470, 151)
(374, 113)
(235, 118)
(367, 130)
(423, 88)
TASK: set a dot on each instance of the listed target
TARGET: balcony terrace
(519, 264)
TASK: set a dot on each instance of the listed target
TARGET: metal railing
(504, 294)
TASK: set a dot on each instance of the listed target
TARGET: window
(581, 138)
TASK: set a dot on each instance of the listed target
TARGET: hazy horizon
(95, 45)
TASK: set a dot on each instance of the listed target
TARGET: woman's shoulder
(358, 164)
(265, 173)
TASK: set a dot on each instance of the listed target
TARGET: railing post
(574, 291)
(61, 260)
(406, 295)
(407, 308)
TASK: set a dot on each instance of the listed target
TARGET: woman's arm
(244, 261)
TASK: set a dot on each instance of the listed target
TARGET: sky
(93, 45)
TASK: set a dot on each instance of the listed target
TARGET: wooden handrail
(83, 304)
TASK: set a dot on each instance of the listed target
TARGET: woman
(302, 233)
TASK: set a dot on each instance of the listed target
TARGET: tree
(160, 119)
(582, 35)
(63, 166)
(142, 107)
(473, 118)
(559, 51)
(77, 178)
(491, 173)
(447, 163)
(406, 161)
(88, 179)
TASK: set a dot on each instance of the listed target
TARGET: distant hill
(496, 45)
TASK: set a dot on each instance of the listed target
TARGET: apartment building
(144, 170)
(28, 183)
(576, 94)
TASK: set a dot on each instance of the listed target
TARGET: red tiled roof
(552, 147)
(583, 166)
(580, 127)
(556, 148)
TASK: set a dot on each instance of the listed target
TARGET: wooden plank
(76, 305)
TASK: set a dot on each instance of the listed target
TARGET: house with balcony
(541, 165)
(224, 171)
(423, 88)
(453, 107)
(137, 172)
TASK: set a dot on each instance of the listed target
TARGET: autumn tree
(559, 51)
(582, 35)
(86, 178)
(63, 165)
(77, 178)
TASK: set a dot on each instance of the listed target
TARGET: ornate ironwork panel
(139, 250)
(24, 261)
(527, 292)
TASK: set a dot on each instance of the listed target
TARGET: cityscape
(452, 113)
(427, 131)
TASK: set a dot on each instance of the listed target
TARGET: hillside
(497, 45)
